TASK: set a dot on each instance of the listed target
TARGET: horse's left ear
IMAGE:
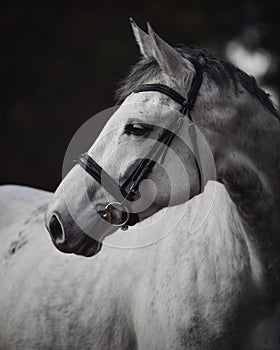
(171, 62)
(143, 40)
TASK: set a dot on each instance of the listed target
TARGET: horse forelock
(223, 74)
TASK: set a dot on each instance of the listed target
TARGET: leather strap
(127, 191)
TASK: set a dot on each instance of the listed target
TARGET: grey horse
(208, 276)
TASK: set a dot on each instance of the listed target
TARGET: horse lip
(63, 248)
(88, 251)
(86, 247)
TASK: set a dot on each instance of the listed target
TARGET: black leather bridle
(126, 193)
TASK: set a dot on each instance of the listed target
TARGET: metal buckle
(121, 208)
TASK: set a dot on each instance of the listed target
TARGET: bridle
(126, 193)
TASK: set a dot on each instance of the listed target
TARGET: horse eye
(136, 129)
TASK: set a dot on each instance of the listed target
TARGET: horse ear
(143, 40)
(171, 62)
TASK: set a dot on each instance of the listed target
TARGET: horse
(199, 267)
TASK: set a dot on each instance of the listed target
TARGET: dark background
(60, 64)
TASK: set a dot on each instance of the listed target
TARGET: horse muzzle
(77, 242)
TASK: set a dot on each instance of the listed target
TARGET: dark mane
(221, 72)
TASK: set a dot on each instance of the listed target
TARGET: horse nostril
(56, 230)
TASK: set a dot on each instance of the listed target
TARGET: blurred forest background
(61, 62)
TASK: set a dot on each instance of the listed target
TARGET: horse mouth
(86, 247)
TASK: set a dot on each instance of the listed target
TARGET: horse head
(123, 178)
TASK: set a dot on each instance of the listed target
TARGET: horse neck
(247, 160)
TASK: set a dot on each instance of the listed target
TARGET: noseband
(126, 193)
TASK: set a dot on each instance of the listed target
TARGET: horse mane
(223, 73)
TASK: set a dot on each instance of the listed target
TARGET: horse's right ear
(143, 40)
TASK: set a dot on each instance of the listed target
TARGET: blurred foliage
(61, 62)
